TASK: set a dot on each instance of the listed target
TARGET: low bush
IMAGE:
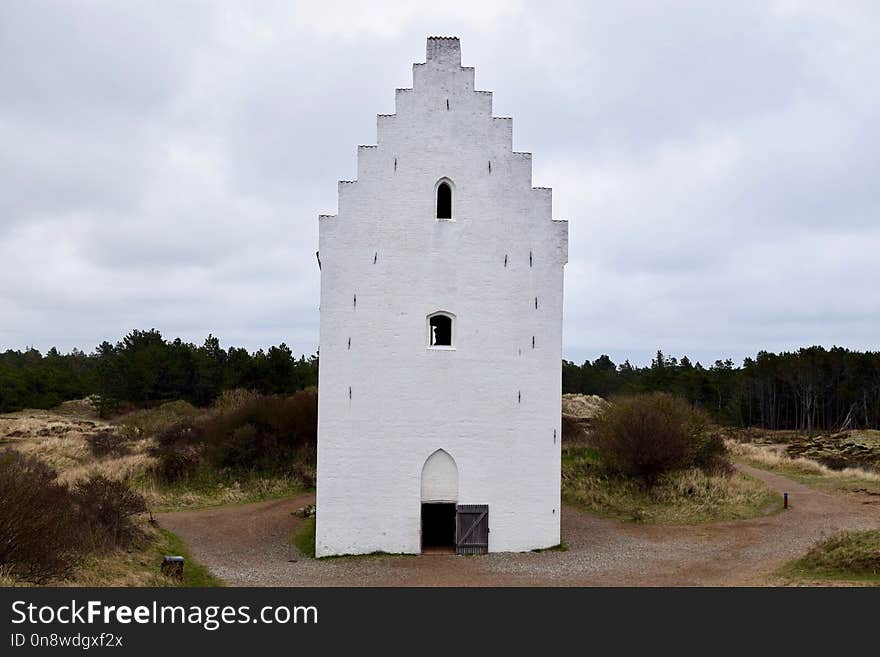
(261, 431)
(106, 509)
(107, 443)
(177, 450)
(711, 455)
(47, 528)
(646, 436)
(573, 432)
(39, 540)
(150, 421)
(304, 465)
(269, 433)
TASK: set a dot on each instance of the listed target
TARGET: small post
(785, 500)
(172, 566)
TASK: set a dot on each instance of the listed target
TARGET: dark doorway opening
(438, 527)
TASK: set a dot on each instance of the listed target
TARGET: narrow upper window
(444, 200)
(440, 330)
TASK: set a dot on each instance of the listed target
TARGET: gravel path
(245, 546)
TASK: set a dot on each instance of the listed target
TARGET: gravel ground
(245, 546)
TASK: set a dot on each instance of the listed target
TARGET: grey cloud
(163, 164)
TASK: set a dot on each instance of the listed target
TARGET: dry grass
(7, 580)
(127, 466)
(774, 457)
(62, 452)
(208, 489)
(683, 497)
(59, 438)
(582, 406)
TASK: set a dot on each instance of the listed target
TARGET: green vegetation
(813, 388)
(205, 488)
(140, 564)
(303, 537)
(850, 556)
(679, 497)
(144, 369)
(194, 573)
(560, 547)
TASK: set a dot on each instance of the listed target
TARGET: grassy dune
(685, 497)
(851, 557)
(773, 457)
(76, 443)
(61, 439)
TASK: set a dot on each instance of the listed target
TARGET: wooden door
(472, 529)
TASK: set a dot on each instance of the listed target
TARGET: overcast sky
(163, 164)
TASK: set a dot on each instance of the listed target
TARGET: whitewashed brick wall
(387, 401)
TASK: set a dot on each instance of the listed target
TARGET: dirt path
(245, 546)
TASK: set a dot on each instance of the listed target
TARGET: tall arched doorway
(439, 496)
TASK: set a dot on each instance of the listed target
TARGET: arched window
(444, 200)
(440, 330)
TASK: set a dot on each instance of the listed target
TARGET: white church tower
(441, 321)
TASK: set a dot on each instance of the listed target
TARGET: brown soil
(246, 546)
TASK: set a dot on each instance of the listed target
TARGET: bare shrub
(268, 433)
(303, 465)
(106, 509)
(711, 454)
(262, 431)
(572, 431)
(107, 443)
(645, 436)
(177, 450)
(39, 540)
